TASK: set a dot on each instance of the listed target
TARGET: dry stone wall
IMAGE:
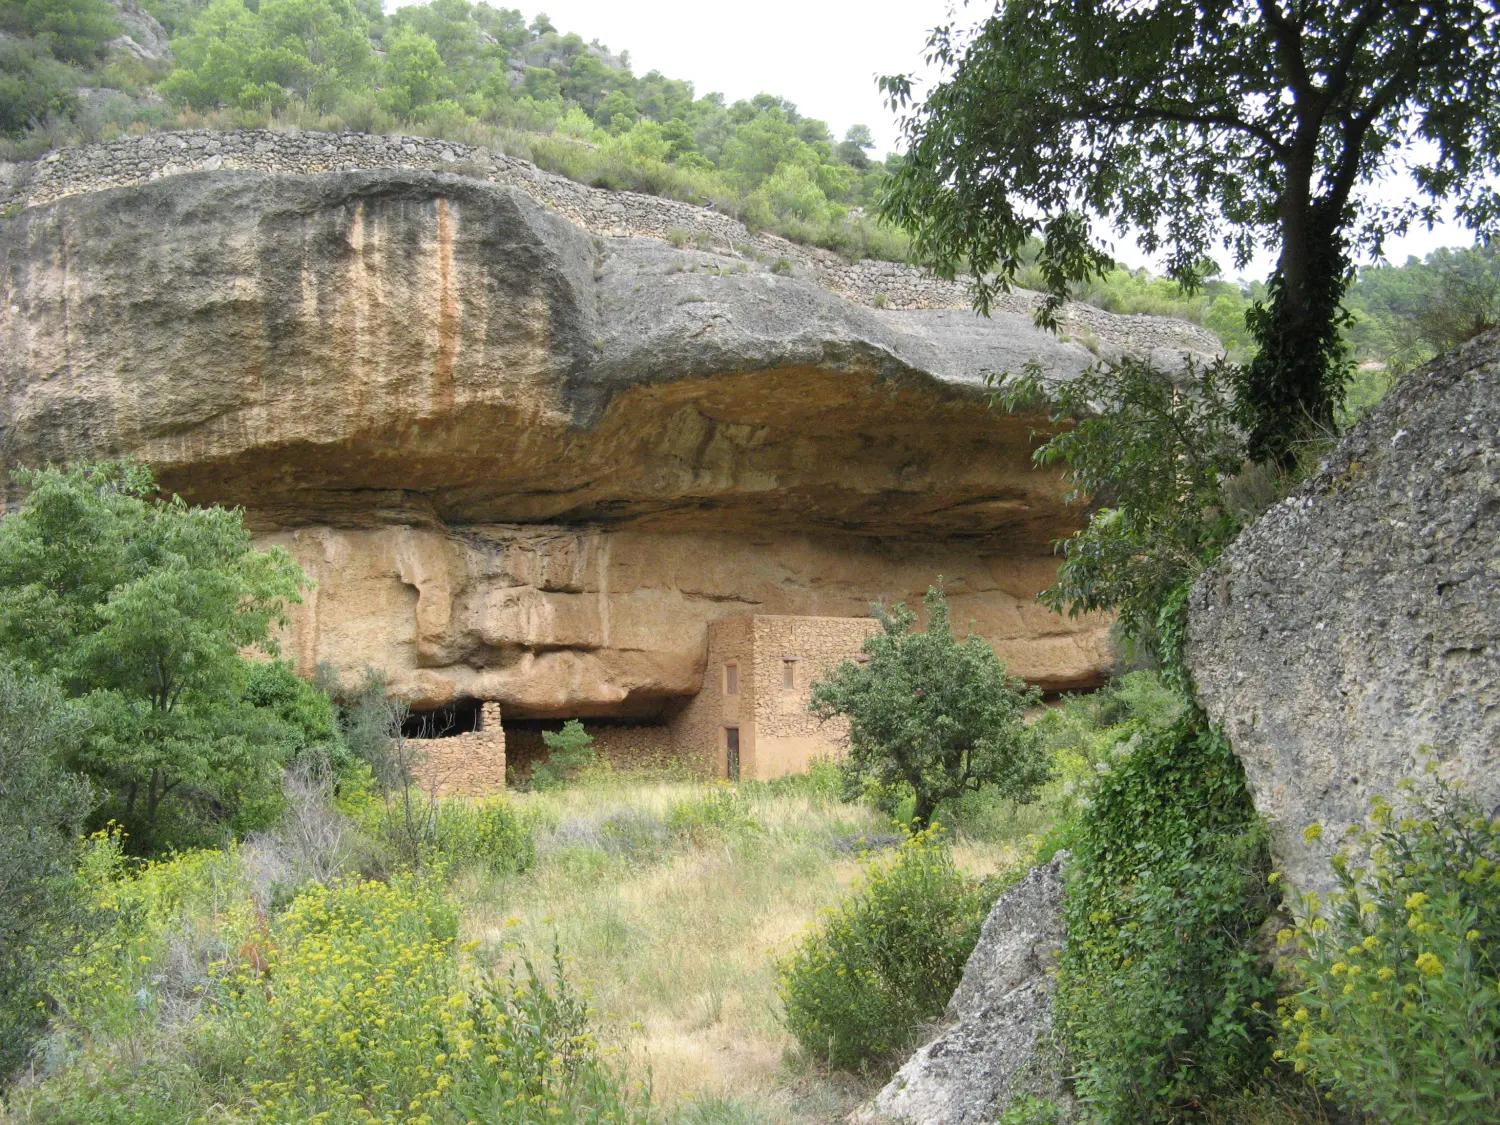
(611, 214)
(472, 763)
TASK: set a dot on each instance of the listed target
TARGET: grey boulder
(998, 1043)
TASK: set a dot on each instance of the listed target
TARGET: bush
(41, 809)
(361, 1012)
(858, 988)
(701, 819)
(939, 714)
(1161, 1001)
(1397, 1011)
(572, 749)
(454, 833)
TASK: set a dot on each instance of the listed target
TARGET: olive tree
(1200, 125)
(934, 712)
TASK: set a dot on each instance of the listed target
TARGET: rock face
(998, 1042)
(524, 463)
(1358, 622)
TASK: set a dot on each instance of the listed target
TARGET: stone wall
(698, 731)
(895, 285)
(471, 764)
(787, 735)
(647, 746)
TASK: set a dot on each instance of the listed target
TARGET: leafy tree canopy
(933, 712)
(1204, 125)
(142, 610)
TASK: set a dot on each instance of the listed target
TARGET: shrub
(859, 987)
(719, 811)
(451, 832)
(1160, 999)
(1396, 1009)
(364, 1010)
(572, 749)
(939, 714)
(41, 809)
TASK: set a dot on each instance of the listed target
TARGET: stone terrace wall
(610, 214)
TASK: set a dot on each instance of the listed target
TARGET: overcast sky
(823, 55)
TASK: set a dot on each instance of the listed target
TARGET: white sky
(823, 55)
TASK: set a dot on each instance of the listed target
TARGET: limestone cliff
(524, 462)
(1354, 630)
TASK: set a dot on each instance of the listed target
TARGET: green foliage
(719, 811)
(234, 55)
(354, 1004)
(936, 713)
(887, 958)
(33, 86)
(1155, 451)
(42, 807)
(572, 749)
(309, 731)
(72, 30)
(1161, 1002)
(142, 610)
(1200, 127)
(1397, 1003)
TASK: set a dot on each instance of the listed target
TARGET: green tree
(933, 712)
(1461, 298)
(33, 86)
(142, 609)
(415, 75)
(1155, 452)
(75, 31)
(1201, 123)
(234, 55)
(569, 750)
(42, 807)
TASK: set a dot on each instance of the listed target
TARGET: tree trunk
(922, 810)
(1297, 376)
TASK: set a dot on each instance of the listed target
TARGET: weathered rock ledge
(134, 160)
(1355, 628)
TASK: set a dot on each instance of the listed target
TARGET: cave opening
(459, 717)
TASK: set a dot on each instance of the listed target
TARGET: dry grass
(676, 933)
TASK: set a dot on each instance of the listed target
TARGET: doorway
(732, 753)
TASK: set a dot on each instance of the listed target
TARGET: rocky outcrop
(1355, 628)
(612, 214)
(140, 37)
(521, 462)
(998, 1042)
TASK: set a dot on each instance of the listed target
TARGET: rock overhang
(521, 461)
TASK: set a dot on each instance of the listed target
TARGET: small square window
(731, 679)
(788, 675)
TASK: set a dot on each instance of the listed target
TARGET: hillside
(80, 71)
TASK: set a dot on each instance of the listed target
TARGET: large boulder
(998, 1042)
(1354, 630)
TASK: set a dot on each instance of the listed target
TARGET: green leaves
(1200, 127)
(1160, 999)
(142, 609)
(936, 713)
(1156, 452)
(888, 957)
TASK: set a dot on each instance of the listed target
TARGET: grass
(673, 921)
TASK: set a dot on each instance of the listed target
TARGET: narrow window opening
(731, 679)
(789, 675)
(732, 752)
(459, 717)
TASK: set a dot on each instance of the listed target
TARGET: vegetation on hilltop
(464, 71)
